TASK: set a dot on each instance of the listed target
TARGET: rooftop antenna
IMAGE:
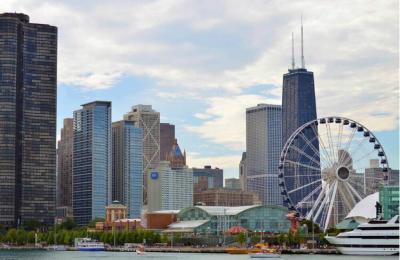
(303, 66)
(293, 64)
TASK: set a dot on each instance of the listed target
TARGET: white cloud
(227, 115)
(199, 48)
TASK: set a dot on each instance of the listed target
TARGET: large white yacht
(377, 237)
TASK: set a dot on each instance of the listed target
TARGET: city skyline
(242, 75)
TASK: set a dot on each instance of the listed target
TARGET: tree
(281, 239)
(21, 236)
(11, 236)
(68, 239)
(32, 225)
(333, 231)
(310, 224)
(69, 224)
(92, 223)
(240, 238)
(30, 237)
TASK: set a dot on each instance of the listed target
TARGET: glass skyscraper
(298, 108)
(127, 168)
(28, 96)
(149, 120)
(92, 161)
(263, 147)
(298, 101)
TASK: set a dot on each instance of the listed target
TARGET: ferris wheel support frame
(326, 198)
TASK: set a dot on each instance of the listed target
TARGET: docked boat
(377, 237)
(88, 244)
(56, 248)
(140, 250)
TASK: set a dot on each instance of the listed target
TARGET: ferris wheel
(327, 166)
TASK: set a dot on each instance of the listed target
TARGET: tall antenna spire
(293, 64)
(303, 66)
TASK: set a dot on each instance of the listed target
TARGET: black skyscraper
(298, 108)
(28, 88)
(298, 101)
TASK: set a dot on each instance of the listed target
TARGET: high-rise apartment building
(64, 164)
(127, 168)
(263, 147)
(149, 120)
(92, 161)
(169, 188)
(28, 96)
(207, 178)
(167, 139)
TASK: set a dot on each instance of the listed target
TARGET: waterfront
(61, 255)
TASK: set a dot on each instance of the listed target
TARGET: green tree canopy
(92, 223)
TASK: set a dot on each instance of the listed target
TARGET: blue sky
(201, 63)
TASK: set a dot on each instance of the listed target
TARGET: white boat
(87, 244)
(377, 237)
(56, 248)
(140, 250)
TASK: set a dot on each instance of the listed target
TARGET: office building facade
(263, 147)
(167, 139)
(207, 178)
(64, 164)
(28, 96)
(149, 120)
(92, 161)
(225, 197)
(232, 183)
(127, 168)
(169, 188)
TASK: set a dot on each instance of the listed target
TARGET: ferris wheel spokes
(332, 200)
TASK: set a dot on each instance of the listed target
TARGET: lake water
(61, 255)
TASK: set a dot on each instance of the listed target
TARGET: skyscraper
(298, 108)
(149, 120)
(91, 161)
(263, 147)
(127, 168)
(64, 165)
(298, 97)
(170, 188)
(167, 139)
(28, 96)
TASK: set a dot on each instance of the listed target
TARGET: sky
(201, 63)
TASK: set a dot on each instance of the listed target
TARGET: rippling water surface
(63, 255)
